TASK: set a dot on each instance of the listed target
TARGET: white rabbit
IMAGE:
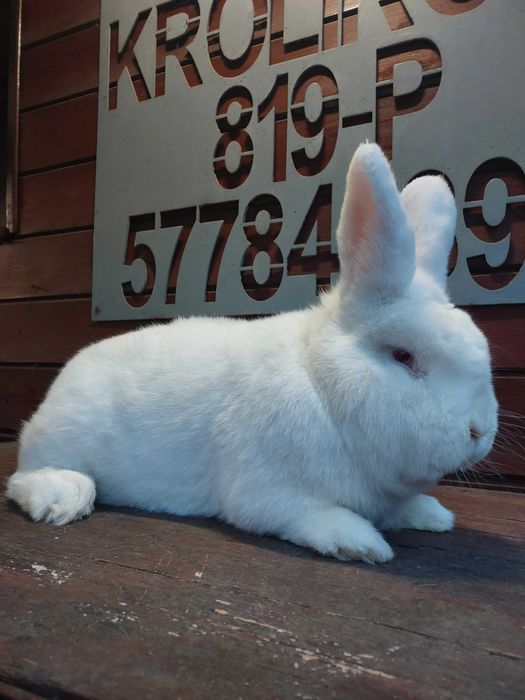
(317, 426)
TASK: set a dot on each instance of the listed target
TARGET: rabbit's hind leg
(56, 496)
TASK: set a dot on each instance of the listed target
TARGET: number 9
(315, 85)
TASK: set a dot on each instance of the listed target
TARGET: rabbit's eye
(403, 357)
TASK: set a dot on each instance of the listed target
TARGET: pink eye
(403, 357)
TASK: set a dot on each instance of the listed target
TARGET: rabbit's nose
(476, 433)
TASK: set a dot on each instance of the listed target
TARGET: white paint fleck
(308, 656)
(120, 616)
(58, 577)
(198, 574)
(39, 568)
(250, 621)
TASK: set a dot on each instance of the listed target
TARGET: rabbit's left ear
(374, 239)
(431, 210)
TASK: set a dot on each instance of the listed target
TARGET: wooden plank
(12, 692)
(60, 68)
(4, 49)
(504, 326)
(57, 200)
(191, 608)
(510, 391)
(491, 504)
(46, 266)
(63, 132)
(21, 390)
(41, 20)
(37, 332)
(51, 331)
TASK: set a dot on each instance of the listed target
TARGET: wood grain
(46, 266)
(184, 607)
(510, 392)
(51, 331)
(504, 326)
(21, 391)
(42, 20)
(60, 199)
(58, 134)
(59, 69)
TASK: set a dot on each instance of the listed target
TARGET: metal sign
(226, 127)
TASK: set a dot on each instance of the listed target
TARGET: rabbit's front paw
(341, 533)
(423, 513)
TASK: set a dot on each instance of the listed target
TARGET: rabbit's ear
(374, 239)
(430, 207)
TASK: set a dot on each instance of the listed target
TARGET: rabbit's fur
(303, 425)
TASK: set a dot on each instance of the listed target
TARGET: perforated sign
(226, 127)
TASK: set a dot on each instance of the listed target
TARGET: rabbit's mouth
(466, 465)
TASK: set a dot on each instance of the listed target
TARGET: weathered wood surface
(129, 605)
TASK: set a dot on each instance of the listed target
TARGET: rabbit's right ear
(431, 210)
(374, 238)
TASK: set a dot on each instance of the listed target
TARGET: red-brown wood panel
(21, 390)
(60, 68)
(60, 133)
(53, 265)
(505, 329)
(51, 331)
(42, 19)
(57, 200)
(510, 391)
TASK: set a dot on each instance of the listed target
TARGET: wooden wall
(45, 271)
(4, 56)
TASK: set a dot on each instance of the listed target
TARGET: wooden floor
(126, 605)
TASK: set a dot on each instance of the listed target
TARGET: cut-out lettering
(394, 11)
(125, 60)
(389, 102)
(226, 66)
(227, 213)
(233, 157)
(277, 102)
(134, 290)
(281, 50)
(185, 220)
(263, 212)
(309, 124)
(494, 210)
(454, 7)
(177, 46)
(323, 262)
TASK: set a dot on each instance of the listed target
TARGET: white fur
(301, 425)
